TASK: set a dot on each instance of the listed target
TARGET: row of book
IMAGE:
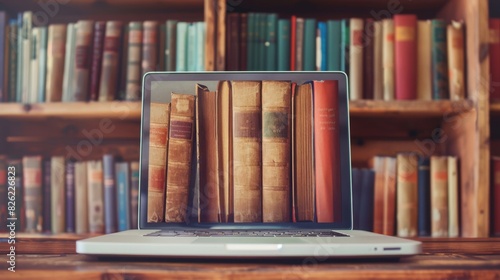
(407, 196)
(91, 60)
(399, 58)
(54, 195)
(244, 151)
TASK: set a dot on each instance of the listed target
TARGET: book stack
(92, 60)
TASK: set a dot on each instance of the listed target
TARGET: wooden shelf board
(495, 108)
(36, 5)
(411, 108)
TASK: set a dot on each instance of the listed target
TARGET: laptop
(291, 238)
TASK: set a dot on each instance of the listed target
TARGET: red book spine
(95, 70)
(293, 46)
(496, 197)
(326, 151)
(405, 48)
(494, 57)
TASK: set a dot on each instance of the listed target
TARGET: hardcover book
(123, 195)
(56, 50)
(81, 198)
(424, 197)
(405, 54)
(407, 199)
(456, 57)
(32, 177)
(70, 196)
(82, 57)
(108, 86)
(134, 194)
(439, 60)
(424, 70)
(439, 196)
(95, 197)
(134, 71)
(356, 59)
(225, 150)
(58, 194)
(97, 51)
(388, 59)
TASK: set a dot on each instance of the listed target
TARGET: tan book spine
(388, 58)
(276, 179)
(424, 83)
(110, 61)
(95, 197)
(133, 87)
(379, 194)
(407, 195)
(180, 147)
(57, 194)
(208, 163)
(221, 35)
(378, 78)
(32, 183)
(439, 196)
(456, 68)
(225, 149)
(211, 35)
(356, 59)
(390, 196)
(247, 150)
(56, 49)
(453, 229)
(150, 49)
(83, 57)
(81, 198)
(158, 143)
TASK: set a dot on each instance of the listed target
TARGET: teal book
(270, 45)
(324, 45)
(262, 24)
(333, 30)
(200, 46)
(42, 63)
(170, 38)
(123, 196)
(284, 45)
(439, 60)
(134, 194)
(191, 47)
(344, 45)
(181, 59)
(309, 44)
(251, 41)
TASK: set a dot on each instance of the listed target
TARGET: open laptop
(258, 239)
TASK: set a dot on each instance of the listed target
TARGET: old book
(46, 207)
(56, 50)
(158, 146)
(327, 151)
(270, 42)
(220, 40)
(439, 60)
(58, 195)
(247, 149)
(378, 78)
(170, 53)
(69, 63)
(162, 38)
(303, 151)
(26, 32)
(42, 63)
(179, 156)
(19, 212)
(453, 229)
(283, 38)
(208, 163)
(122, 195)
(384, 195)
(122, 64)
(81, 198)
(181, 53)
(244, 42)
(225, 150)
(260, 41)
(293, 41)
(356, 182)
(345, 43)
(95, 197)
(424, 83)
(134, 194)
(439, 196)
(18, 37)
(232, 41)
(299, 44)
(96, 63)
(108, 168)
(82, 57)
(70, 196)
(356, 59)
(388, 59)
(368, 59)
(36, 50)
(210, 15)
(495, 196)
(405, 55)
(108, 85)
(12, 60)
(191, 56)
(309, 46)
(32, 177)
(149, 46)
(456, 57)
(134, 71)
(366, 200)
(4, 52)
(407, 194)
(379, 166)
(424, 197)
(276, 151)
(199, 48)
(494, 52)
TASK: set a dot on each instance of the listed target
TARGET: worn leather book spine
(56, 50)
(439, 196)
(424, 70)
(407, 199)
(456, 57)
(108, 87)
(405, 54)
(225, 150)
(32, 177)
(97, 51)
(134, 74)
(95, 197)
(82, 56)
(58, 195)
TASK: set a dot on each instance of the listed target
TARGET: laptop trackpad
(249, 240)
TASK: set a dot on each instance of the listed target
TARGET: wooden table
(442, 259)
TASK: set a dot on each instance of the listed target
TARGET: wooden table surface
(54, 258)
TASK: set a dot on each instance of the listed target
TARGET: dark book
(32, 177)
(333, 29)
(243, 31)
(270, 44)
(344, 45)
(108, 167)
(122, 64)
(321, 53)
(170, 53)
(283, 45)
(149, 46)
(494, 52)
(366, 200)
(46, 197)
(70, 196)
(424, 197)
(134, 77)
(261, 41)
(3, 58)
(309, 55)
(82, 57)
(368, 56)
(232, 42)
(123, 197)
(13, 55)
(495, 197)
(251, 36)
(97, 51)
(356, 196)
(162, 46)
(439, 60)
(19, 190)
(134, 194)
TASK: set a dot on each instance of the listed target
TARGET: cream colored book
(81, 198)
(439, 196)
(424, 83)
(453, 197)
(356, 59)
(388, 58)
(455, 43)
(378, 80)
(407, 196)
(57, 194)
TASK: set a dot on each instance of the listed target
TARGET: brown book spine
(149, 49)
(58, 194)
(81, 198)
(158, 143)
(210, 14)
(243, 31)
(233, 42)
(110, 61)
(439, 196)
(356, 59)
(220, 58)
(133, 88)
(368, 59)
(455, 38)
(81, 78)
(56, 50)
(32, 177)
(247, 150)
(225, 144)
(206, 119)
(453, 226)
(95, 196)
(299, 42)
(97, 51)
(276, 176)
(180, 146)
(378, 194)
(162, 47)
(390, 196)
(407, 195)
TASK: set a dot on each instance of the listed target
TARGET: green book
(309, 44)
(270, 42)
(333, 31)
(283, 45)
(261, 42)
(344, 45)
(439, 61)
(251, 36)
(181, 48)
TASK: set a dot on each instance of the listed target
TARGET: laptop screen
(245, 149)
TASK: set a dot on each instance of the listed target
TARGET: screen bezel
(345, 149)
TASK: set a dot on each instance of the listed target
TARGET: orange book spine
(378, 194)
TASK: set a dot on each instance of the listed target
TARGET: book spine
(97, 52)
(378, 70)
(58, 195)
(224, 145)
(26, 53)
(247, 162)
(495, 197)
(299, 45)
(388, 59)
(123, 199)
(424, 70)
(261, 41)
(407, 195)
(149, 46)
(334, 44)
(134, 194)
(379, 166)
(344, 45)
(122, 64)
(456, 64)
(293, 42)
(179, 156)
(494, 52)
(42, 64)
(251, 42)
(276, 152)
(13, 56)
(19, 211)
(181, 57)
(356, 59)
(133, 88)
(3, 53)
(232, 42)
(158, 147)
(439, 196)
(324, 46)
(19, 73)
(309, 50)
(424, 197)
(82, 57)
(368, 59)
(70, 196)
(390, 196)
(4, 201)
(46, 197)
(439, 60)
(170, 52)
(108, 165)
(453, 230)
(69, 63)
(283, 45)
(162, 41)
(95, 197)
(243, 31)
(108, 86)
(32, 177)
(191, 47)
(327, 151)
(366, 208)
(271, 42)
(81, 198)
(356, 183)
(33, 65)
(405, 54)
(200, 49)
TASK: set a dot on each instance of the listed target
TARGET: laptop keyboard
(247, 233)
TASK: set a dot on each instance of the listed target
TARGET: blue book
(70, 196)
(134, 194)
(366, 199)
(333, 43)
(108, 167)
(324, 42)
(180, 50)
(200, 46)
(123, 187)
(424, 197)
(270, 42)
(191, 47)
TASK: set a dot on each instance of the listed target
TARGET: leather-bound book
(243, 42)
(378, 79)
(32, 176)
(134, 70)
(378, 194)
(225, 150)
(179, 155)
(439, 60)
(439, 196)
(232, 42)
(407, 194)
(276, 152)
(405, 54)
(356, 59)
(58, 195)
(159, 122)
(247, 150)
(494, 47)
(149, 46)
(81, 198)
(108, 168)
(384, 208)
(47, 224)
(424, 197)
(70, 196)
(83, 57)
(97, 51)
(108, 86)
(208, 163)
(56, 48)
(453, 226)
(424, 70)
(388, 59)
(95, 197)
(456, 60)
